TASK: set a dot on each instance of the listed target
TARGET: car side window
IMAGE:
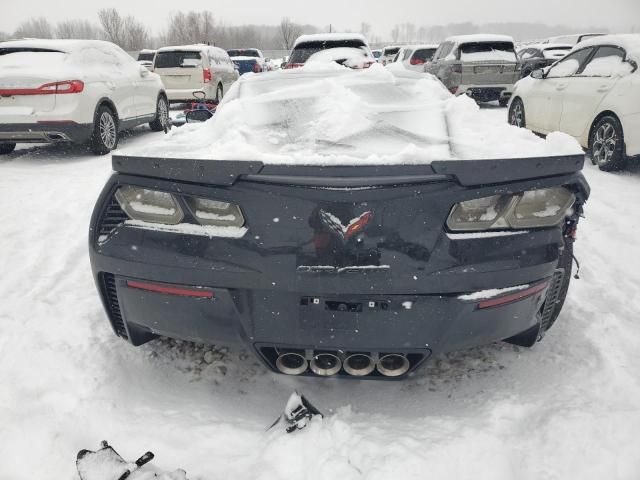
(607, 62)
(571, 64)
(446, 50)
(528, 53)
(407, 54)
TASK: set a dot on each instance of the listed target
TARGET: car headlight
(149, 205)
(215, 213)
(531, 209)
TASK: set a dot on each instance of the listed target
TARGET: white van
(189, 68)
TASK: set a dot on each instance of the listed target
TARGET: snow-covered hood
(326, 114)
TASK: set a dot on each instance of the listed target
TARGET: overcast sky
(616, 15)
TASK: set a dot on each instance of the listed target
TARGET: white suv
(190, 68)
(75, 90)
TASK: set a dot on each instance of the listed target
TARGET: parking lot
(565, 409)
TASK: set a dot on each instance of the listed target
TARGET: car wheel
(516, 114)
(219, 93)
(105, 132)
(161, 122)
(606, 144)
(7, 148)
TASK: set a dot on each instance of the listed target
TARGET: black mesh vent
(553, 294)
(112, 217)
(111, 296)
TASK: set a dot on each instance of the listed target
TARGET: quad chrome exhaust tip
(291, 363)
(325, 364)
(359, 364)
(393, 365)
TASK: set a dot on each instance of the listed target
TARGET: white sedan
(592, 94)
(75, 90)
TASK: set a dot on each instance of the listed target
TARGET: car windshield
(147, 57)
(243, 53)
(177, 59)
(487, 51)
(303, 51)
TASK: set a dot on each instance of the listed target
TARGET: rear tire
(105, 131)
(516, 114)
(606, 144)
(161, 122)
(6, 148)
(219, 93)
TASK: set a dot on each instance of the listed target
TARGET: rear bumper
(486, 93)
(45, 132)
(186, 94)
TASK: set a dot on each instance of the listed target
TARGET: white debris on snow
(210, 231)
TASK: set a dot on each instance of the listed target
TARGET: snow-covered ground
(568, 408)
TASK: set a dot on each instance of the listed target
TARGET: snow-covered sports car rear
(344, 228)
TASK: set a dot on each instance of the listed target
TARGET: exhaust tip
(359, 364)
(291, 363)
(325, 364)
(393, 365)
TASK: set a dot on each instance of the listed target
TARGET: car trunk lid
(180, 68)
(488, 63)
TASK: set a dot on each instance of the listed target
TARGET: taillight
(416, 61)
(289, 66)
(257, 68)
(206, 75)
(54, 88)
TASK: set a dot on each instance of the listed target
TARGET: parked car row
(592, 94)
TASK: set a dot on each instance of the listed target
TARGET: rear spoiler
(464, 172)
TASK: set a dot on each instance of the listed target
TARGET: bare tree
(136, 36)
(365, 29)
(395, 33)
(35, 28)
(80, 29)
(192, 27)
(112, 25)
(289, 31)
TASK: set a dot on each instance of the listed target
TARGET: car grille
(113, 306)
(112, 217)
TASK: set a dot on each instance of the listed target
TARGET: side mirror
(538, 74)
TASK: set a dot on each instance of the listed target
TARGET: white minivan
(190, 68)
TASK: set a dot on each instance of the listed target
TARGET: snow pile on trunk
(326, 114)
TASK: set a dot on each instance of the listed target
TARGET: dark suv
(533, 57)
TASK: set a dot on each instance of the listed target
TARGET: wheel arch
(106, 102)
(596, 119)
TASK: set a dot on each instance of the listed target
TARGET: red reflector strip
(513, 297)
(183, 292)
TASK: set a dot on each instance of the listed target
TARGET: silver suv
(484, 67)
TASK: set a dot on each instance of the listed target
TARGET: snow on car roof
(630, 42)
(479, 37)
(66, 46)
(327, 37)
(546, 46)
(196, 46)
(147, 50)
(326, 114)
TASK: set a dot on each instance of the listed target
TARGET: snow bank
(326, 114)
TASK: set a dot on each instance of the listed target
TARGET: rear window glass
(177, 59)
(6, 51)
(243, 53)
(391, 51)
(424, 54)
(303, 51)
(146, 56)
(487, 51)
